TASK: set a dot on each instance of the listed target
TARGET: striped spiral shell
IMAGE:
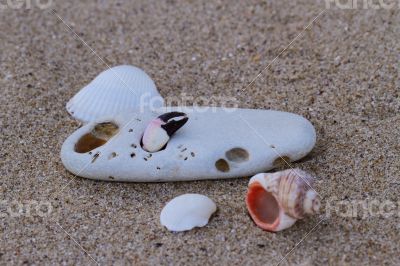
(293, 190)
(295, 193)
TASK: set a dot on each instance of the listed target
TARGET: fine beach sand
(342, 73)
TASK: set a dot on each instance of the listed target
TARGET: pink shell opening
(263, 207)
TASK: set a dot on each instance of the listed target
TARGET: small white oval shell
(115, 90)
(186, 212)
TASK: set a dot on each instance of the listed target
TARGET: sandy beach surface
(337, 67)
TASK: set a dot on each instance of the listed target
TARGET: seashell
(186, 212)
(214, 143)
(159, 130)
(115, 90)
(275, 201)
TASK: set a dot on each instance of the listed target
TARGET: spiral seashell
(296, 195)
(275, 201)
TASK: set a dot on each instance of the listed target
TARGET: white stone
(215, 143)
(115, 90)
(186, 212)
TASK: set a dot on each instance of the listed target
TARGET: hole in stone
(281, 161)
(192, 154)
(130, 130)
(133, 154)
(112, 155)
(99, 136)
(222, 165)
(97, 155)
(88, 142)
(237, 155)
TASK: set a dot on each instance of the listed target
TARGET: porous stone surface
(209, 146)
(341, 73)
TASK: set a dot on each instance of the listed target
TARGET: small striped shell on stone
(115, 90)
(275, 201)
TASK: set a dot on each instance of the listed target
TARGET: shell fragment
(186, 212)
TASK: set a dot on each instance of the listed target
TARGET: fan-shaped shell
(115, 90)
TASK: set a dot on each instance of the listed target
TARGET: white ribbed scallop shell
(115, 90)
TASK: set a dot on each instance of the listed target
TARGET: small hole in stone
(272, 146)
(133, 154)
(281, 161)
(186, 158)
(97, 155)
(222, 165)
(112, 155)
(134, 146)
(111, 177)
(237, 155)
(130, 130)
(183, 149)
(145, 158)
(158, 168)
(192, 154)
